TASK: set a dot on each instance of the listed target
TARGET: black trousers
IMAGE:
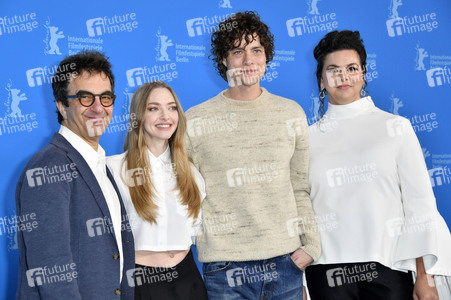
(358, 281)
(181, 282)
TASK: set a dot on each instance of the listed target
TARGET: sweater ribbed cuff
(312, 246)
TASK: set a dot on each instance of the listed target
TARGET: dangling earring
(362, 92)
(322, 94)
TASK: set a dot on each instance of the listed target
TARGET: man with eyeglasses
(81, 248)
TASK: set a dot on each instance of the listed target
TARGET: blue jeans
(277, 278)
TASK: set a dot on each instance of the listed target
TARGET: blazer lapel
(87, 175)
(124, 221)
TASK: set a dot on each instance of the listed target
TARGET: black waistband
(186, 263)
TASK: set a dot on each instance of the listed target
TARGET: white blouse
(174, 229)
(371, 191)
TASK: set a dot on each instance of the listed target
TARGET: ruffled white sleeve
(201, 186)
(422, 232)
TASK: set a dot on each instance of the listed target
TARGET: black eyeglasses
(87, 99)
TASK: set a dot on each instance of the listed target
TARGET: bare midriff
(160, 258)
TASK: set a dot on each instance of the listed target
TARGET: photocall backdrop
(408, 71)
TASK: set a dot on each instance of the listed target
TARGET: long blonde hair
(136, 157)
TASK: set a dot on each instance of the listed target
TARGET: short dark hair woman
(369, 180)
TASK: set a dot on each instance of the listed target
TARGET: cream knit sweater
(254, 158)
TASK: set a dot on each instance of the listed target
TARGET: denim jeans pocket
(215, 267)
(294, 264)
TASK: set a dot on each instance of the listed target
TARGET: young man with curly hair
(251, 147)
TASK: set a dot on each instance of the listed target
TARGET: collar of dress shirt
(165, 157)
(91, 156)
(350, 110)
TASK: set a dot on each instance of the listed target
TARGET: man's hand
(301, 259)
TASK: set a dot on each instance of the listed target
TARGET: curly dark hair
(335, 41)
(84, 61)
(244, 24)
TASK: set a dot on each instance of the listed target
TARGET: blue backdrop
(409, 70)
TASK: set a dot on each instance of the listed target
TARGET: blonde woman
(162, 192)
